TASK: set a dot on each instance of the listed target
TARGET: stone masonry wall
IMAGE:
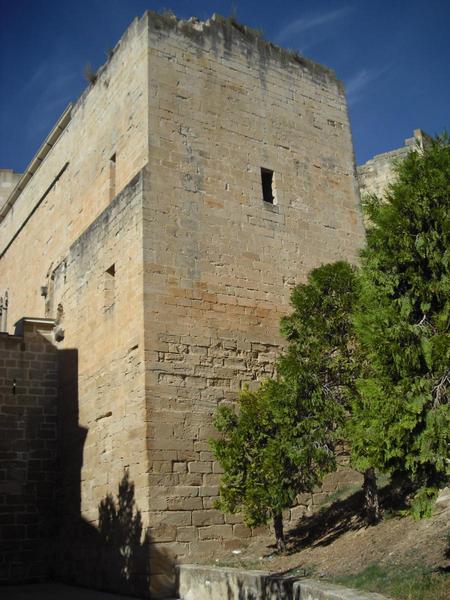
(8, 180)
(99, 291)
(77, 179)
(71, 249)
(220, 262)
(145, 236)
(28, 453)
(377, 173)
(98, 334)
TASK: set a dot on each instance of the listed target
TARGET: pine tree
(400, 417)
(280, 442)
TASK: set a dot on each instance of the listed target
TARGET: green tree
(400, 417)
(280, 440)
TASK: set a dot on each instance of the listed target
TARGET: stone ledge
(204, 582)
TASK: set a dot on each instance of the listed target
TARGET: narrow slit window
(110, 287)
(267, 185)
(112, 176)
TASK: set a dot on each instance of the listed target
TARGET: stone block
(185, 491)
(207, 517)
(214, 532)
(187, 534)
(185, 504)
(200, 467)
(241, 531)
(209, 490)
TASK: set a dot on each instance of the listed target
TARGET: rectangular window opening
(267, 185)
(112, 176)
(110, 287)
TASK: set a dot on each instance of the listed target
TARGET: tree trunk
(279, 532)
(371, 505)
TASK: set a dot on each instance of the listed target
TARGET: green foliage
(279, 442)
(415, 582)
(401, 419)
(270, 452)
(380, 371)
(422, 505)
(320, 332)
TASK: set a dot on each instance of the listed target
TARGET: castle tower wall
(28, 451)
(377, 173)
(219, 261)
(8, 180)
(73, 177)
(163, 226)
(71, 250)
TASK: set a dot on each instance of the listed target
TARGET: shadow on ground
(344, 515)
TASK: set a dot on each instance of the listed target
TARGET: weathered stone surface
(165, 268)
(8, 180)
(377, 173)
(443, 499)
(202, 582)
(28, 452)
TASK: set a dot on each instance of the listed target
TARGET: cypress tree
(280, 440)
(400, 417)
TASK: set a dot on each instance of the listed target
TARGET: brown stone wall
(8, 180)
(28, 453)
(99, 291)
(375, 175)
(167, 273)
(220, 262)
(77, 179)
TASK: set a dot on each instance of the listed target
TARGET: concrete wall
(28, 453)
(198, 582)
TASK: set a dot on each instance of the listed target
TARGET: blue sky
(393, 56)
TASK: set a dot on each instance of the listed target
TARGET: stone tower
(162, 226)
(378, 172)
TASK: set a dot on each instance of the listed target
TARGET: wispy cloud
(357, 84)
(52, 86)
(311, 22)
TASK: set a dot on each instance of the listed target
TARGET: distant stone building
(377, 173)
(8, 181)
(160, 228)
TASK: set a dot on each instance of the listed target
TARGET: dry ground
(335, 541)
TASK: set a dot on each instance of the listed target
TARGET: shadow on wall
(28, 455)
(124, 555)
(117, 556)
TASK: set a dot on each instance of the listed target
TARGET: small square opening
(112, 176)
(267, 185)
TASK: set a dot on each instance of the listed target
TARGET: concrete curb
(203, 582)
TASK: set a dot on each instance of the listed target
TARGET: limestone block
(207, 517)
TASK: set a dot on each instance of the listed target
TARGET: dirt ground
(336, 541)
